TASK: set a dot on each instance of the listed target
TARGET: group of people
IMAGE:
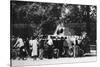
(48, 47)
(24, 47)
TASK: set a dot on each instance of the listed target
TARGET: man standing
(20, 44)
(50, 47)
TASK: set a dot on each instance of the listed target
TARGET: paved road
(30, 61)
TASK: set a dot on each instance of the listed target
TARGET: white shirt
(20, 42)
(50, 42)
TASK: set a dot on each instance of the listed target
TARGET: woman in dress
(34, 44)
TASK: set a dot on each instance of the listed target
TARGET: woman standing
(34, 44)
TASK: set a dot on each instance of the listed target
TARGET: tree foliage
(44, 17)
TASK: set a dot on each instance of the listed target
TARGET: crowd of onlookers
(45, 47)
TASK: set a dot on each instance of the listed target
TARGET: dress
(34, 43)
